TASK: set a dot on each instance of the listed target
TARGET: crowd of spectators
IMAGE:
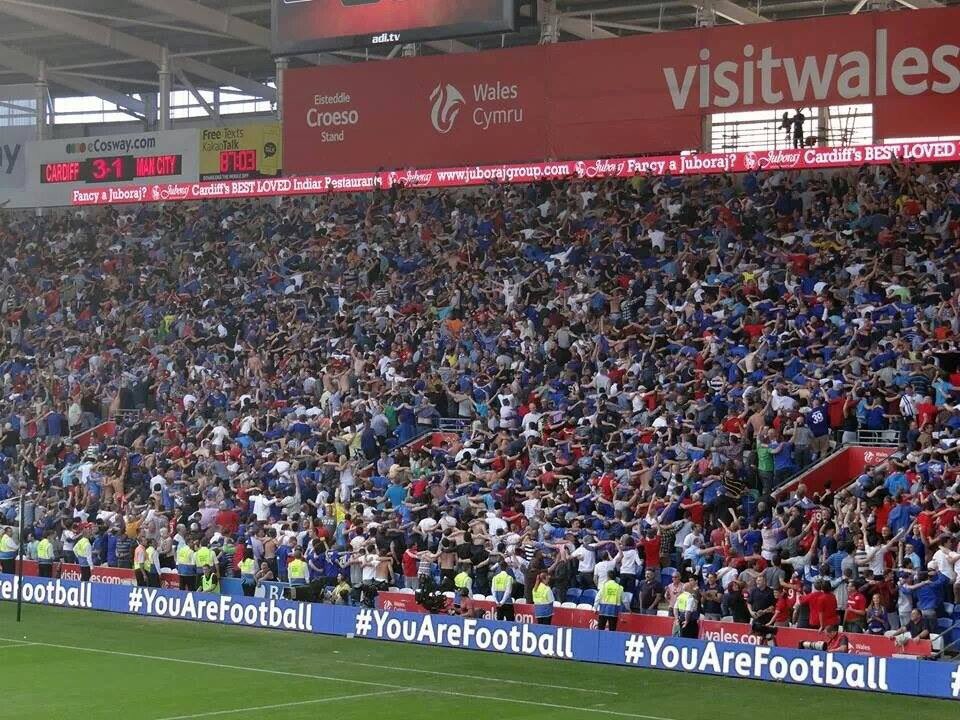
(635, 367)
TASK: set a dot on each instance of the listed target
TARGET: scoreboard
(304, 26)
(116, 168)
(57, 167)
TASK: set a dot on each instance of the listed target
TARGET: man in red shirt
(926, 412)
(823, 606)
(781, 608)
(856, 611)
(651, 549)
(228, 520)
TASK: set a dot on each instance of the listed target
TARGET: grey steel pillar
(164, 75)
(282, 64)
(42, 93)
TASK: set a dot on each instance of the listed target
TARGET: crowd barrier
(860, 643)
(840, 670)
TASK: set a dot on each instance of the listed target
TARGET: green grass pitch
(59, 664)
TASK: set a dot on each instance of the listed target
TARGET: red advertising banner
(860, 644)
(640, 94)
(730, 632)
(108, 575)
(477, 175)
(111, 576)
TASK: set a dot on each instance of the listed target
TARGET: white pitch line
(16, 643)
(482, 678)
(369, 683)
(336, 698)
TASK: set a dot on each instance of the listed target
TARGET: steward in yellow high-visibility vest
(297, 569)
(502, 587)
(8, 552)
(463, 586)
(680, 611)
(151, 565)
(83, 550)
(248, 575)
(45, 555)
(187, 566)
(210, 581)
(609, 602)
(542, 601)
(205, 557)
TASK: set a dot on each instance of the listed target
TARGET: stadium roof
(113, 48)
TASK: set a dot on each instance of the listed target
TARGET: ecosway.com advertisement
(828, 670)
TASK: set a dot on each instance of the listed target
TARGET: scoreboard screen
(305, 26)
(111, 169)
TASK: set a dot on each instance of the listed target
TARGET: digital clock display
(238, 161)
(117, 168)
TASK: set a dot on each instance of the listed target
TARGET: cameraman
(836, 642)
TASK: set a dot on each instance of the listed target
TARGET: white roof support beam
(920, 4)
(205, 17)
(211, 111)
(731, 11)
(131, 45)
(29, 65)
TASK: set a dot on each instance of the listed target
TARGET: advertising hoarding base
(838, 670)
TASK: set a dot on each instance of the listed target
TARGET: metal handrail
(878, 438)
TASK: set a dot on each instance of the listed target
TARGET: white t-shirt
(427, 525)
(944, 564)
(261, 507)
(219, 434)
(495, 523)
(630, 562)
(369, 567)
(530, 507)
(587, 559)
(601, 570)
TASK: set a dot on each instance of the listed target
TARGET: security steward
(210, 581)
(502, 587)
(83, 550)
(205, 557)
(297, 571)
(248, 576)
(187, 565)
(45, 552)
(610, 601)
(8, 552)
(462, 589)
(543, 600)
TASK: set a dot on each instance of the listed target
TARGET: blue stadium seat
(573, 595)
(588, 596)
